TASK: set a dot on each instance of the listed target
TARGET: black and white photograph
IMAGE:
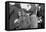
(24, 15)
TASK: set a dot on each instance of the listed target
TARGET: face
(25, 6)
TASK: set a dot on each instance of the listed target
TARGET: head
(25, 6)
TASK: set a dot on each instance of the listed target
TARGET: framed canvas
(24, 15)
